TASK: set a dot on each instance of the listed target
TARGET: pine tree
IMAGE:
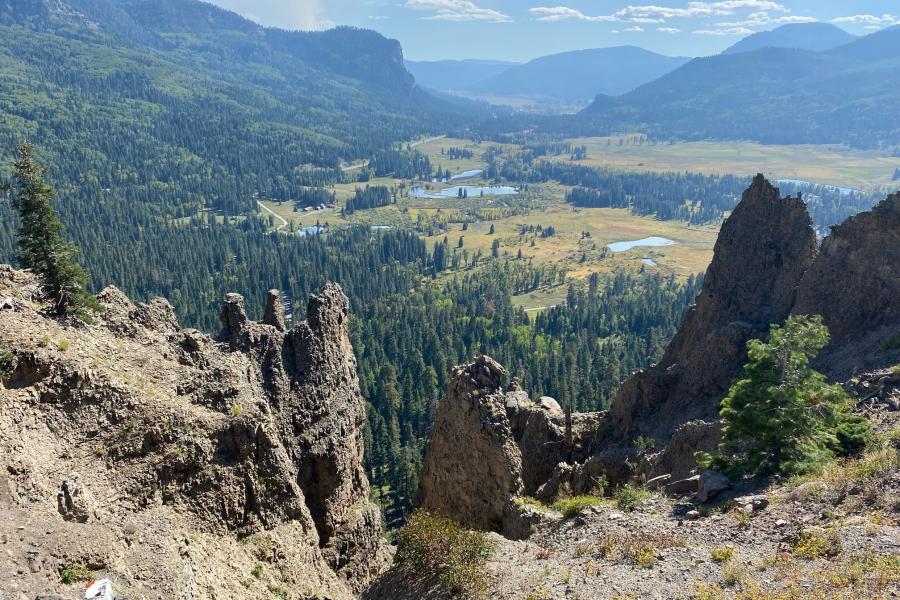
(42, 248)
(782, 416)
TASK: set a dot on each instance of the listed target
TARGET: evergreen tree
(42, 248)
(782, 416)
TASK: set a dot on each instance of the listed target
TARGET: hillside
(183, 104)
(771, 95)
(816, 37)
(580, 75)
(166, 459)
(451, 75)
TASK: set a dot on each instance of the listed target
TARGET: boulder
(74, 501)
(683, 487)
(710, 484)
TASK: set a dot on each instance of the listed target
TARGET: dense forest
(408, 330)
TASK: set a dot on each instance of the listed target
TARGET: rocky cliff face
(761, 254)
(854, 284)
(167, 459)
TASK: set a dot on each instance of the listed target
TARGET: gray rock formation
(489, 446)
(73, 501)
(274, 313)
(854, 283)
(473, 467)
(191, 444)
(761, 254)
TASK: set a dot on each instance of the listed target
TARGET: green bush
(437, 548)
(7, 365)
(627, 497)
(722, 554)
(573, 506)
(782, 416)
(74, 574)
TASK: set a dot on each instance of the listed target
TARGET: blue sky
(523, 29)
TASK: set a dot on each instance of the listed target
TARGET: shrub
(644, 443)
(8, 364)
(721, 555)
(627, 497)
(572, 507)
(782, 416)
(63, 345)
(438, 548)
(816, 543)
(74, 574)
(277, 591)
(645, 556)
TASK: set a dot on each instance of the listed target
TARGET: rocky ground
(178, 465)
(835, 535)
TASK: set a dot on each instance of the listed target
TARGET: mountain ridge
(816, 37)
(769, 95)
(580, 74)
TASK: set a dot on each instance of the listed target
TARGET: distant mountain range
(453, 75)
(567, 78)
(800, 36)
(847, 94)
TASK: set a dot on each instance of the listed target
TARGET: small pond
(648, 242)
(471, 191)
(312, 230)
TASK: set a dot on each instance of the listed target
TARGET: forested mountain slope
(146, 98)
(847, 95)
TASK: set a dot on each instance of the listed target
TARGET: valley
(289, 316)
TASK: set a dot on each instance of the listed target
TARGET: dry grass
(833, 165)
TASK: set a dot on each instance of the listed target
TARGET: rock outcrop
(762, 252)
(473, 467)
(489, 446)
(854, 284)
(208, 467)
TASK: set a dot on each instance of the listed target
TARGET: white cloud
(564, 13)
(658, 14)
(668, 30)
(869, 20)
(724, 31)
(635, 29)
(763, 19)
(379, 17)
(457, 10)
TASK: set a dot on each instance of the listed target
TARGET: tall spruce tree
(42, 248)
(782, 416)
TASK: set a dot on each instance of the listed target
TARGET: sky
(519, 30)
